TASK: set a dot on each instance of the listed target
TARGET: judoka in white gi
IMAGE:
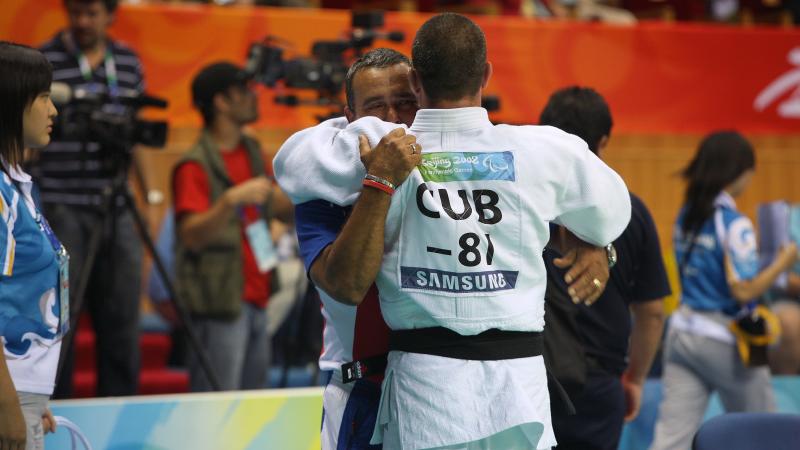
(462, 243)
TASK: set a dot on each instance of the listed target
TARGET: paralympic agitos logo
(786, 83)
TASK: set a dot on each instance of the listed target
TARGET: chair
(749, 431)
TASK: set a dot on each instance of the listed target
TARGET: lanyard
(62, 258)
(51, 236)
(86, 69)
(111, 71)
(43, 225)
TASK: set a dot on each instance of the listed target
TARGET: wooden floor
(648, 163)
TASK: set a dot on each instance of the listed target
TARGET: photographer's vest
(211, 280)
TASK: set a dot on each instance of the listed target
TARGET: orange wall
(658, 78)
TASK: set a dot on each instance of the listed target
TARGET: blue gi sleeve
(318, 222)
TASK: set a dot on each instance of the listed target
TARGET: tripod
(119, 190)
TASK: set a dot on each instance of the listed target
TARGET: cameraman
(73, 176)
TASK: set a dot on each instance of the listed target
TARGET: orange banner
(658, 78)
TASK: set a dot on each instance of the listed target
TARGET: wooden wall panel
(650, 165)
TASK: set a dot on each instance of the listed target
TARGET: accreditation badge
(63, 292)
(62, 258)
(261, 243)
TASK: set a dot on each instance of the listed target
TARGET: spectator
(587, 10)
(616, 373)
(225, 256)
(784, 357)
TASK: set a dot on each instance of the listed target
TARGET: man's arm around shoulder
(347, 268)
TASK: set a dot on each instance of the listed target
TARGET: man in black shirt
(73, 175)
(638, 283)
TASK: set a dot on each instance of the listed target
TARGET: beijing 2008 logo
(788, 82)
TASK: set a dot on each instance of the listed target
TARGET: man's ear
(416, 83)
(487, 73)
(351, 116)
(220, 102)
(602, 144)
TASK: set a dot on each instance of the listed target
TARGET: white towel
(323, 174)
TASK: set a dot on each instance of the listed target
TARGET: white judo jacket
(463, 243)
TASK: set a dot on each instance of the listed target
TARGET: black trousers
(597, 425)
(112, 297)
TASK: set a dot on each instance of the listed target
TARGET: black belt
(491, 345)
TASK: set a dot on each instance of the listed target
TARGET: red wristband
(377, 185)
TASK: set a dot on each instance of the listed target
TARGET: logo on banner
(467, 166)
(786, 83)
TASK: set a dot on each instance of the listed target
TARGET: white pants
(512, 439)
(334, 402)
(695, 367)
(33, 408)
(349, 412)
(431, 401)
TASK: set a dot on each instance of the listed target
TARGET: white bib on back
(458, 252)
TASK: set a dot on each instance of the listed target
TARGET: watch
(611, 253)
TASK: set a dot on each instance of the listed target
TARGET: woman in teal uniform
(33, 275)
(715, 247)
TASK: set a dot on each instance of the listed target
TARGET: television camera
(323, 72)
(94, 115)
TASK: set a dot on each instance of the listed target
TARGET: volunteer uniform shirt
(193, 195)
(703, 281)
(29, 306)
(463, 243)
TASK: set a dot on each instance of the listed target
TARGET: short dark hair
(24, 74)
(449, 54)
(111, 5)
(379, 58)
(213, 79)
(580, 111)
